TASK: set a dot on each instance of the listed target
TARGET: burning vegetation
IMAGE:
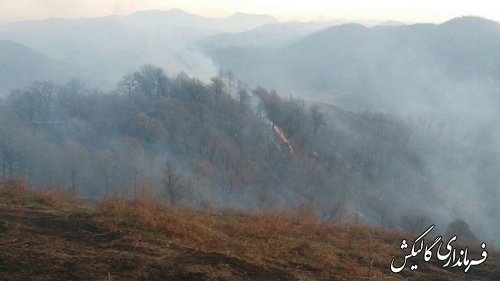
(283, 137)
(201, 145)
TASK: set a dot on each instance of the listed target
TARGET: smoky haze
(101, 49)
(442, 80)
(378, 122)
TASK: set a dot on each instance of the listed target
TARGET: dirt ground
(41, 245)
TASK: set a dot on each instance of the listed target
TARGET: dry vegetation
(298, 242)
(288, 246)
(17, 192)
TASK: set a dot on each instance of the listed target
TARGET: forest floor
(50, 236)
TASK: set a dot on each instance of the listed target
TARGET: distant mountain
(271, 35)
(20, 65)
(277, 35)
(392, 23)
(237, 22)
(241, 21)
(114, 44)
(379, 68)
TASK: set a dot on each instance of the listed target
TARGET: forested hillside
(441, 80)
(219, 144)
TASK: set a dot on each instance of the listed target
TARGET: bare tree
(317, 118)
(127, 84)
(243, 96)
(173, 188)
(218, 86)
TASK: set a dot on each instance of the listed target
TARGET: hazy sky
(406, 10)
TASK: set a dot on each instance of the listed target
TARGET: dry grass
(18, 192)
(299, 242)
(296, 242)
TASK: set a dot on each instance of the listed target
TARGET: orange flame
(283, 137)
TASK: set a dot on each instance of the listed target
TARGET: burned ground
(42, 245)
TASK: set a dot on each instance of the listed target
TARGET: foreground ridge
(49, 235)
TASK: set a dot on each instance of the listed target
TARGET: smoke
(441, 81)
(434, 152)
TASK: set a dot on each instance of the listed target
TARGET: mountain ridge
(353, 50)
(20, 65)
(116, 44)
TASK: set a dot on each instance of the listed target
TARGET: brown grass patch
(18, 192)
(301, 243)
(296, 242)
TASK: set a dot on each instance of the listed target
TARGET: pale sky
(283, 10)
